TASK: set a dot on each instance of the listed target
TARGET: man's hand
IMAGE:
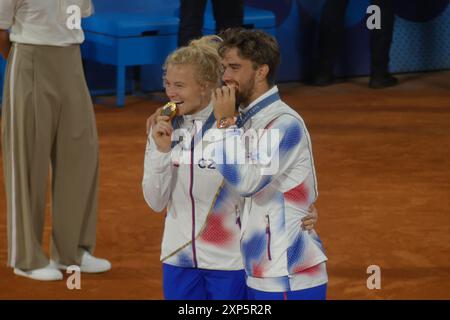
(224, 102)
(5, 44)
(310, 220)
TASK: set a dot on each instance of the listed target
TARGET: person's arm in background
(7, 12)
(87, 8)
(5, 44)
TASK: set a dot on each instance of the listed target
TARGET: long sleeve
(7, 10)
(156, 184)
(276, 153)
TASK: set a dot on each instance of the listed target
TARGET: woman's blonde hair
(203, 55)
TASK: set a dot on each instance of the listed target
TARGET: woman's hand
(151, 121)
(309, 222)
(162, 133)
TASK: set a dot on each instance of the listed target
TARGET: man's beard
(244, 97)
(239, 99)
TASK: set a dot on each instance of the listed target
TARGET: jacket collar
(202, 115)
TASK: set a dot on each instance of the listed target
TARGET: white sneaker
(89, 264)
(47, 273)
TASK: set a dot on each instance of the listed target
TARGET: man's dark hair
(254, 45)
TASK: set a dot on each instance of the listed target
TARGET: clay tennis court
(383, 165)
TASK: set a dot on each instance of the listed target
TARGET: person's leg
(228, 14)
(183, 283)
(381, 40)
(315, 293)
(74, 162)
(191, 20)
(331, 31)
(225, 285)
(27, 134)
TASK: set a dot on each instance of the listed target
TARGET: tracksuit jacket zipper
(194, 253)
(268, 237)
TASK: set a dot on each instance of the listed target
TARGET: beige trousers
(48, 118)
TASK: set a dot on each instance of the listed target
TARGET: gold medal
(170, 110)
